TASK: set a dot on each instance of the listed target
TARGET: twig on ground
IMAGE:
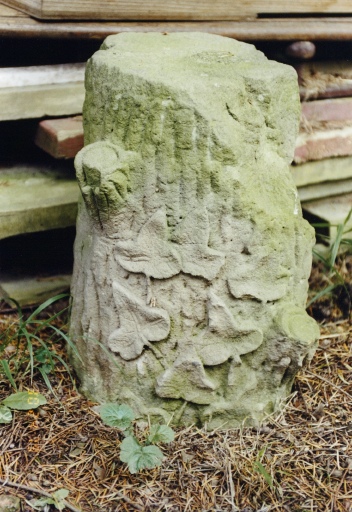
(329, 382)
(37, 491)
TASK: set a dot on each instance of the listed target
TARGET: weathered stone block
(191, 257)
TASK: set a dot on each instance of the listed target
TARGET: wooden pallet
(180, 10)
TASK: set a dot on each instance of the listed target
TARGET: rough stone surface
(191, 257)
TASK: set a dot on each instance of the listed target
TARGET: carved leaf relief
(154, 255)
(192, 235)
(186, 379)
(151, 253)
(139, 324)
(224, 340)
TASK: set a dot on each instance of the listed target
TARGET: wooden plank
(283, 29)
(30, 291)
(319, 171)
(333, 210)
(171, 9)
(38, 91)
(323, 190)
(42, 75)
(36, 198)
(40, 101)
(61, 138)
(6, 11)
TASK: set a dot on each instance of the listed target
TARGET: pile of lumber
(44, 196)
(36, 195)
(322, 166)
(172, 10)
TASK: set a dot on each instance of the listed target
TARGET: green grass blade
(45, 304)
(347, 219)
(323, 292)
(258, 466)
(64, 364)
(47, 382)
(321, 257)
(8, 373)
(336, 246)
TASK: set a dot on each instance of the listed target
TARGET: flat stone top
(160, 56)
(220, 75)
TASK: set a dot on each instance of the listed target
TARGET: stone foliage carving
(191, 257)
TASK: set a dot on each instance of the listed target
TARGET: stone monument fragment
(191, 257)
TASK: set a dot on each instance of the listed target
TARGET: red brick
(61, 138)
(338, 109)
(323, 144)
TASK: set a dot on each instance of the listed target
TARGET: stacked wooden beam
(36, 195)
(323, 158)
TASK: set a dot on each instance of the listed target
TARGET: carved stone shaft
(191, 257)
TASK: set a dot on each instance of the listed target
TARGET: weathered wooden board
(323, 190)
(319, 171)
(42, 75)
(16, 24)
(327, 111)
(40, 101)
(36, 198)
(171, 9)
(38, 91)
(30, 291)
(332, 210)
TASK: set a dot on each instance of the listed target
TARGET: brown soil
(300, 460)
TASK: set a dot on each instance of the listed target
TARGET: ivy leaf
(5, 414)
(24, 400)
(140, 457)
(161, 434)
(39, 504)
(59, 497)
(115, 415)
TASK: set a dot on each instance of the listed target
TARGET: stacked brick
(322, 166)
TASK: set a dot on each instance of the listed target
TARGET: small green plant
(259, 468)
(29, 331)
(57, 499)
(342, 242)
(22, 401)
(138, 455)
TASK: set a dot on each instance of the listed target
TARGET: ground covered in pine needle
(300, 460)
